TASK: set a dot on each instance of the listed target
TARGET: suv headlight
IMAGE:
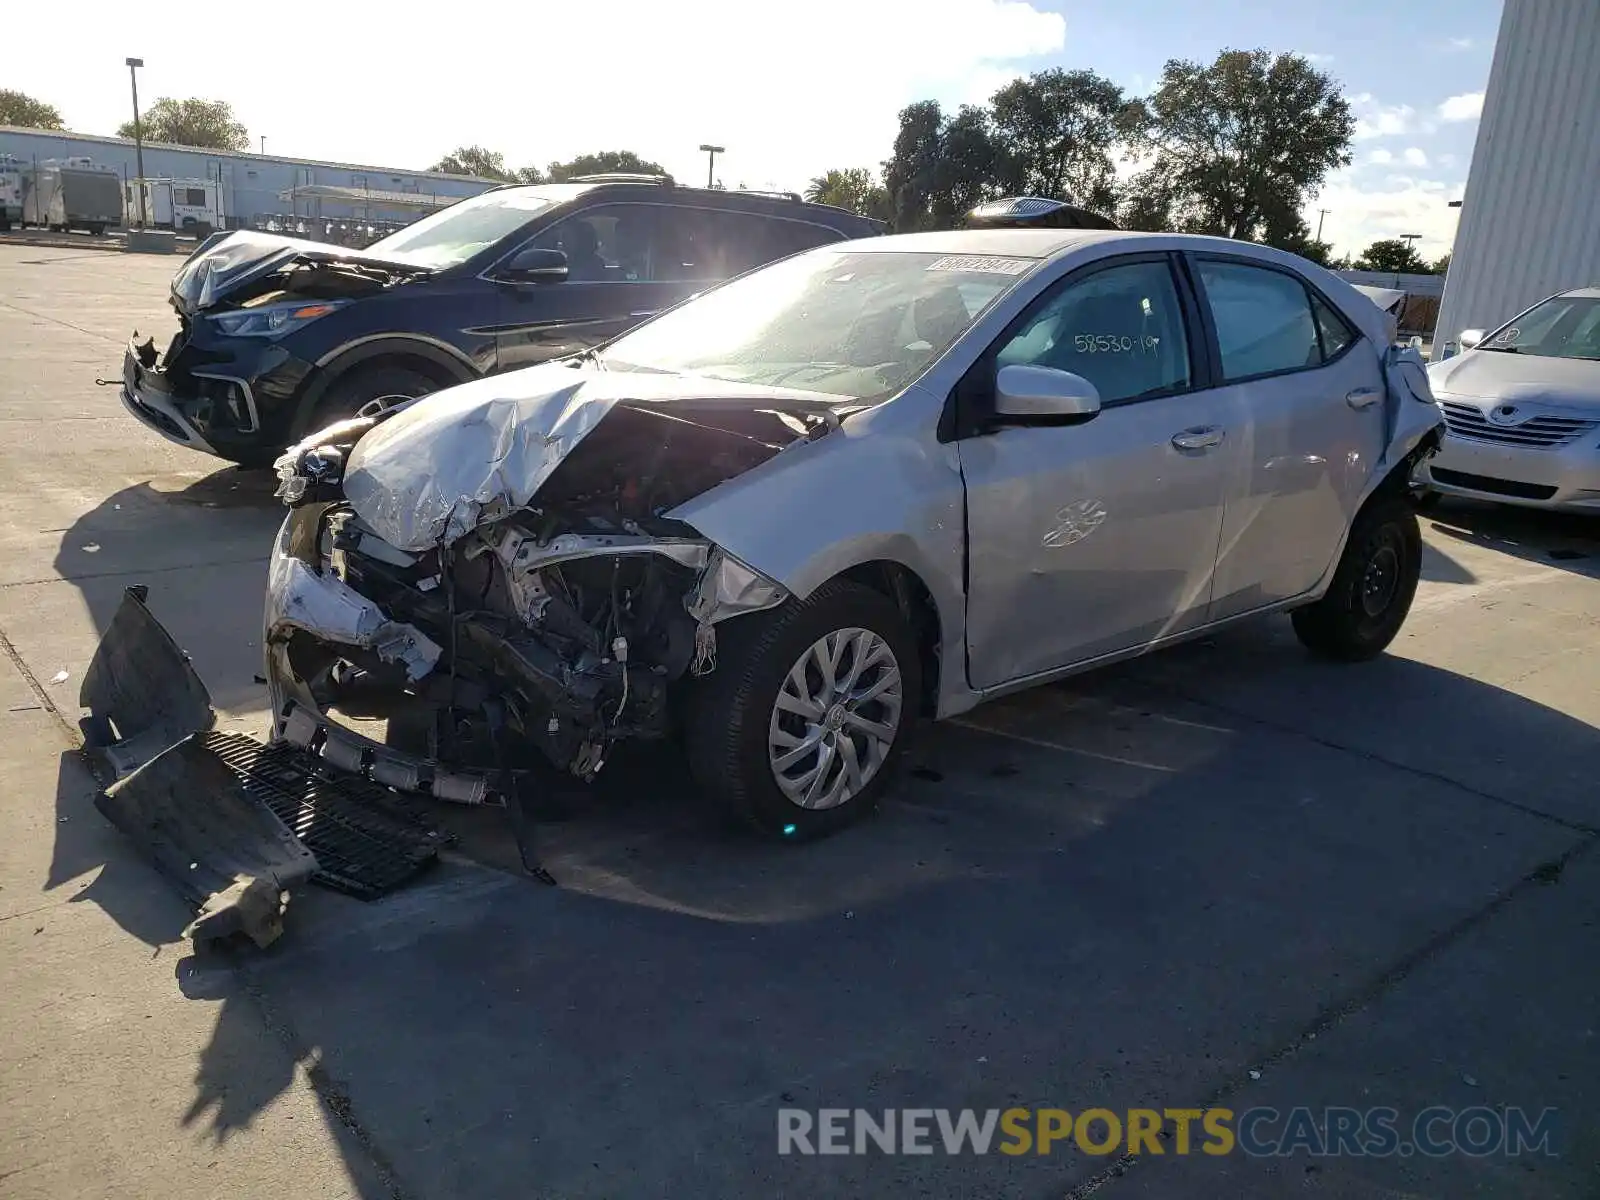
(272, 320)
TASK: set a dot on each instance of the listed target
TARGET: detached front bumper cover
(235, 825)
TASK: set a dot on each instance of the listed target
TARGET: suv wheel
(347, 394)
(1372, 588)
(801, 727)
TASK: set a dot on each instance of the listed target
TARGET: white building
(1530, 218)
(256, 186)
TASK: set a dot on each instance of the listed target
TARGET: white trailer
(72, 193)
(182, 205)
(10, 191)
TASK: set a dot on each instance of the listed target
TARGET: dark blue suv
(279, 337)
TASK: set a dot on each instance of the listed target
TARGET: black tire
(1372, 588)
(346, 394)
(729, 710)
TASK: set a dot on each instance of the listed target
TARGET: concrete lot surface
(1224, 875)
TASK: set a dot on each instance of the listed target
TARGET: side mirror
(535, 265)
(1471, 338)
(1044, 396)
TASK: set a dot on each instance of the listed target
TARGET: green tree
(908, 175)
(941, 167)
(854, 188)
(1392, 256)
(1289, 231)
(474, 160)
(18, 108)
(1054, 133)
(607, 162)
(1236, 143)
(209, 124)
(1442, 265)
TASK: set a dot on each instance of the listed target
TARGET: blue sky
(791, 90)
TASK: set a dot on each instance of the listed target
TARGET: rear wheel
(1372, 588)
(347, 394)
(803, 724)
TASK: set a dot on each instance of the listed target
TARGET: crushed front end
(539, 607)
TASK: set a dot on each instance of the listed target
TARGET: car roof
(1012, 243)
(1584, 293)
(774, 204)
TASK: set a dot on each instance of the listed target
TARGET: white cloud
(1380, 157)
(1415, 157)
(1460, 43)
(1446, 160)
(1379, 120)
(1360, 215)
(788, 100)
(1465, 107)
(1318, 59)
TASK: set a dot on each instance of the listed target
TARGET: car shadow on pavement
(1567, 540)
(1102, 892)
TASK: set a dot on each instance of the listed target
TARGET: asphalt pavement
(1225, 875)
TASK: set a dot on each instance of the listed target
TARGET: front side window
(1562, 327)
(856, 324)
(1263, 319)
(453, 235)
(611, 243)
(1121, 329)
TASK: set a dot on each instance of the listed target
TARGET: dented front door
(1090, 539)
(1093, 538)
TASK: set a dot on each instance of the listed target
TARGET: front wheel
(347, 395)
(804, 722)
(1372, 588)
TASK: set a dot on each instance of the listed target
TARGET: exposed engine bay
(560, 626)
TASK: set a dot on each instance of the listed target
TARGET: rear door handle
(639, 316)
(1361, 397)
(1198, 439)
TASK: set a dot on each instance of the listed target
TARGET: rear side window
(1333, 329)
(706, 244)
(1263, 319)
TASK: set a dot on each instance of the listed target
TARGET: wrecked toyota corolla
(870, 483)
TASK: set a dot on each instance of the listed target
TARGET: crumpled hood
(1498, 376)
(455, 460)
(228, 262)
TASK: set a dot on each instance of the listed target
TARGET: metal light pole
(1322, 214)
(263, 143)
(138, 132)
(711, 153)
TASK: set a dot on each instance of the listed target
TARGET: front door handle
(1198, 439)
(639, 316)
(1362, 397)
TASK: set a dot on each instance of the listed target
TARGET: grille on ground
(368, 840)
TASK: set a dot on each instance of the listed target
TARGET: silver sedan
(875, 483)
(1523, 409)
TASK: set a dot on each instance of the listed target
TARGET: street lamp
(711, 153)
(138, 132)
(1322, 215)
(263, 143)
(1409, 238)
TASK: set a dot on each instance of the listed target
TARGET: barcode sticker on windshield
(985, 264)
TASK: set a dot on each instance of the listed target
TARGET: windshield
(856, 324)
(451, 236)
(1562, 327)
